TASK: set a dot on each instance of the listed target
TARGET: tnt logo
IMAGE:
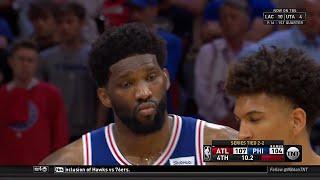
(206, 153)
(293, 153)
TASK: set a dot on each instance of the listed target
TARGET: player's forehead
(260, 102)
(133, 64)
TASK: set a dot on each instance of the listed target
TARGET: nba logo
(58, 169)
(206, 153)
(293, 153)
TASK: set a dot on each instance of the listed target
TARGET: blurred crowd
(48, 99)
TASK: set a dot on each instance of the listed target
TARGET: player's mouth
(146, 109)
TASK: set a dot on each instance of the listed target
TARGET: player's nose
(143, 91)
(245, 132)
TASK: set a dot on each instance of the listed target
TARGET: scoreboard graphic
(285, 16)
(256, 151)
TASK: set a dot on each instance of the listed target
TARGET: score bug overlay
(255, 151)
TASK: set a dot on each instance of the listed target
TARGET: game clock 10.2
(247, 157)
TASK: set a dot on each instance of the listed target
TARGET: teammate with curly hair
(277, 97)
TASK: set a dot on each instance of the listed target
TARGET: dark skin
(131, 80)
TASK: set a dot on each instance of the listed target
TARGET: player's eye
(254, 120)
(151, 77)
(126, 84)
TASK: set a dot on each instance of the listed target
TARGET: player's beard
(137, 127)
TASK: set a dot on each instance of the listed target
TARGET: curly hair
(119, 43)
(287, 73)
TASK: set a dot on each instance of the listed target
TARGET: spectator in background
(183, 16)
(304, 37)
(5, 71)
(6, 37)
(42, 16)
(257, 30)
(115, 12)
(65, 65)
(146, 11)
(213, 61)
(93, 10)
(5, 33)
(23, 22)
(10, 14)
(33, 118)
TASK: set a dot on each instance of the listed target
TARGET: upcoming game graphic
(285, 16)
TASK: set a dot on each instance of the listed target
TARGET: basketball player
(277, 98)
(127, 64)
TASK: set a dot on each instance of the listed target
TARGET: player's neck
(134, 145)
(309, 157)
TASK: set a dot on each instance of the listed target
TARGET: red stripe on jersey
(113, 148)
(87, 149)
(199, 142)
(173, 141)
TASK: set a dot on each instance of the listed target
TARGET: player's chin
(147, 126)
(146, 120)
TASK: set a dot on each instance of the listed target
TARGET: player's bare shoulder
(71, 154)
(218, 132)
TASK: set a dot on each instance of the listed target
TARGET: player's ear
(166, 75)
(104, 97)
(299, 120)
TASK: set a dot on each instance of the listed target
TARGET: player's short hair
(119, 43)
(40, 9)
(26, 43)
(286, 73)
(72, 8)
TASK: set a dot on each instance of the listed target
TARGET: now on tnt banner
(285, 16)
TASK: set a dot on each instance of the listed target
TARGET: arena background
(187, 27)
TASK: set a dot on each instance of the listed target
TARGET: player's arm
(71, 154)
(219, 132)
